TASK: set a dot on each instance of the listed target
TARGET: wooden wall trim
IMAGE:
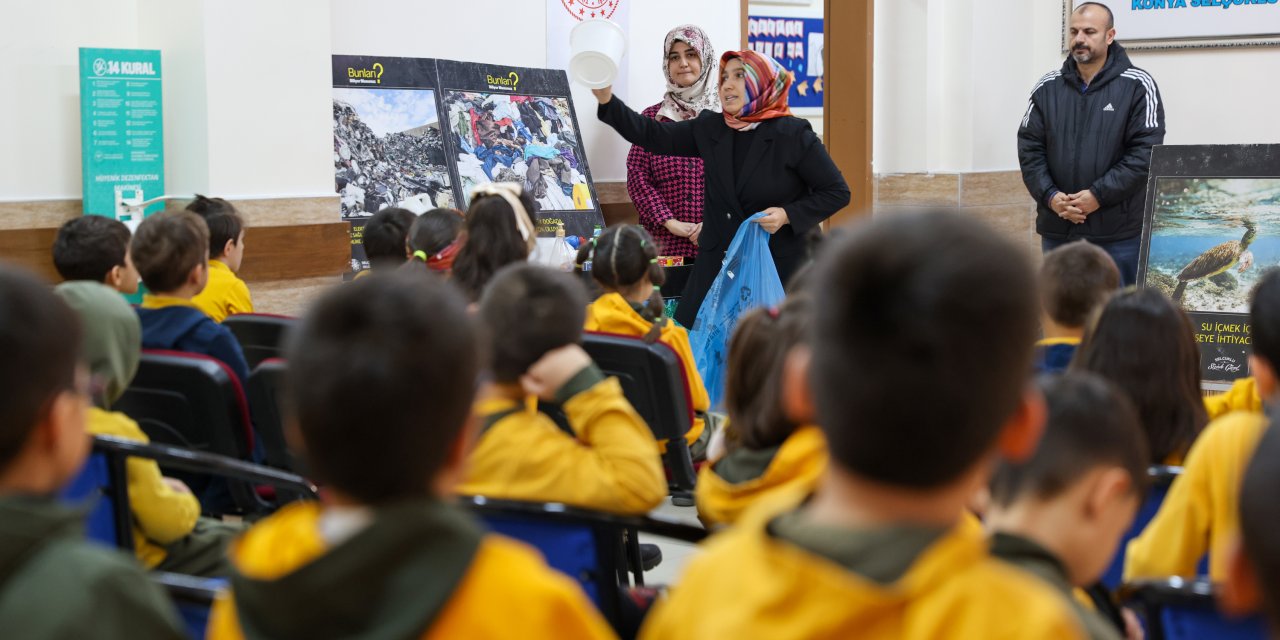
(847, 101)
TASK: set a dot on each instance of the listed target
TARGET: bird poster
(1212, 231)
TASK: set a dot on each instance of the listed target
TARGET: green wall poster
(122, 130)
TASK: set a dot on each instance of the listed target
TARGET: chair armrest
(1174, 591)
(657, 525)
(207, 463)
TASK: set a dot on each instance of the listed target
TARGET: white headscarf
(685, 103)
(511, 193)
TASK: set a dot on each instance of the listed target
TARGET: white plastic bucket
(596, 48)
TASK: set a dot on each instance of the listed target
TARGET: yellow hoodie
(1200, 514)
(224, 295)
(611, 465)
(796, 467)
(161, 515)
(750, 584)
(611, 313)
(1242, 396)
(465, 585)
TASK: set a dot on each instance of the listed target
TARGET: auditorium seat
(1178, 609)
(261, 335)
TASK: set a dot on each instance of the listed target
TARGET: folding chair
(265, 384)
(653, 380)
(588, 546)
(1178, 609)
(261, 335)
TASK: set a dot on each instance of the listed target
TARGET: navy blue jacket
(189, 329)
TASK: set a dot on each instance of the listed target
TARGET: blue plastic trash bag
(748, 279)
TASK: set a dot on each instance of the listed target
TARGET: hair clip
(653, 261)
(421, 255)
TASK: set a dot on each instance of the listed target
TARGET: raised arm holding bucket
(758, 158)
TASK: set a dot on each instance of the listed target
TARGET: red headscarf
(767, 85)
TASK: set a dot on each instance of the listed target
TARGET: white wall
(952, 79)
(39, 43)
(362, 27)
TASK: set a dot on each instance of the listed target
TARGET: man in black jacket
(1085, 143)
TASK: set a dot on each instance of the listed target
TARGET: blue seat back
(92, 488)
(572, 549)
(1194, 623)
(1161, 481)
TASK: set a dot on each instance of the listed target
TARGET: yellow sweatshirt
(749, 584)
(161, 515)
(611, 313)
(611, 465)
(1201, 511)
(504, 591)
(224, 295)
(796, 467)
(1242, 396)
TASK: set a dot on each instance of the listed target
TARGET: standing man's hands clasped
(774, 219)
(1061, 204)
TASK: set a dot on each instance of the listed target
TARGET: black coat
(787, 166)
(1099, 140)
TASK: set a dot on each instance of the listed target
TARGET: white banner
(1148, 20)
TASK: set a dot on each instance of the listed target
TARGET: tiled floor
(675, 554)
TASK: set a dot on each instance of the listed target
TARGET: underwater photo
(1212, 239)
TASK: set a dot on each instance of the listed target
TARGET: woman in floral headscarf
(666, 190)
(758, 158)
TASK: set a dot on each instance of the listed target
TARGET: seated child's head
(42, 409)
(433, 238)
(1264, 318)
(226, 229)
(498, 231)
(112, 336)
(171, 251)
(385, 235)
(95, 248)
(382, 373)
(624, 260)
(922, 346)
(1078, 494)
(753, 398)
(1075, 281)
(1144, 345)
(1258, 564)
(529, 310)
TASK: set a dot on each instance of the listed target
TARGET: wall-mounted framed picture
(1188, 24)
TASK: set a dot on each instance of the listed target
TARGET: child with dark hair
(385, 236)
(168, 532)
(1256, 567)
(1075, 281)
(53, 583)
(386, 555)
(1201, 512)
(534, 317)
(921, 344)
(433, 239)
(1144, 345)
(625, 265)
(95, 248)
(225, 294)
(499, 231)
(1061, 514)
(766, 452)
(171, 250)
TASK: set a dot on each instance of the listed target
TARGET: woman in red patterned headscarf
(667, 191)
(757, 157)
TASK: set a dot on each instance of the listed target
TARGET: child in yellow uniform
(225, 293)
(534, 318)
(766, 453)
(921, 345)
(1200, 514)
(169, 534)
(1075, 281)
(386, 555)
(1061, 514)
(624, 261)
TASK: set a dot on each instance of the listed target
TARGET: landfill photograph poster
(514, 124)
(1212, 231)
